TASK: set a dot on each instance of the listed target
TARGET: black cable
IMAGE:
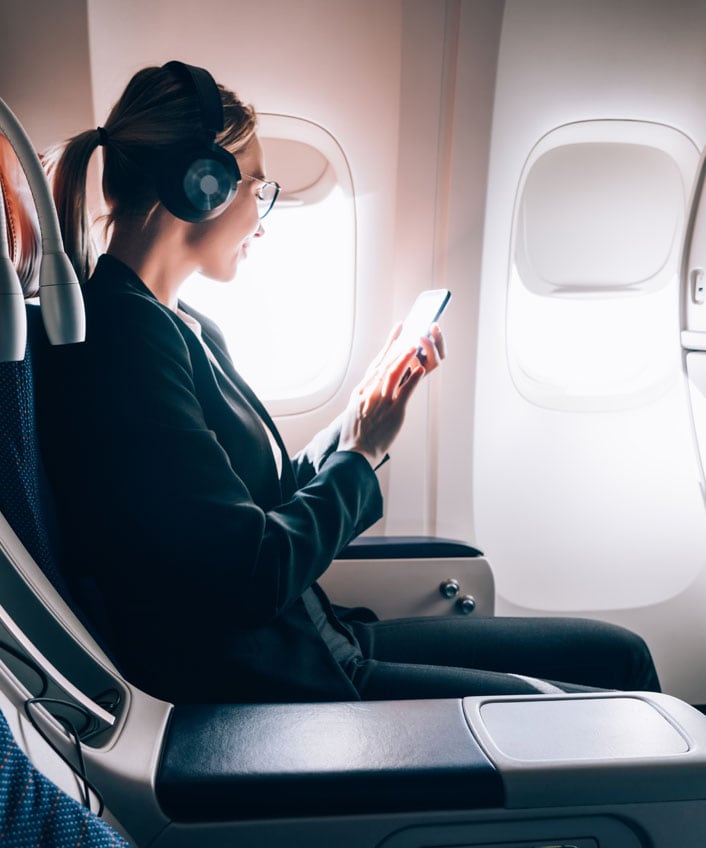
(31, 665)
(110, 700)
(70, 728)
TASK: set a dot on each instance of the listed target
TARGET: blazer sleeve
(310, 460)
(175, 492)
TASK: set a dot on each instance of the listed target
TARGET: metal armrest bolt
(449, 588)
(466, 604)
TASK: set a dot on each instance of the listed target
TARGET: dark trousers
(457, 657)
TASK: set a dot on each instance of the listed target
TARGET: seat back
(22, 493)
(25, 500)
(47, 649)
(52, 668)
(24, 497)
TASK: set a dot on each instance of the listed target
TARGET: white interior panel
(589, 488)
(581, 729)
(594, 508)
(402, 588)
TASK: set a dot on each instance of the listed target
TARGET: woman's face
(219, 245)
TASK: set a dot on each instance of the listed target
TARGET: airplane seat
(33, 808)
(25, 498)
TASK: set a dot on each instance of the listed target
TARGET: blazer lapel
(289, 483)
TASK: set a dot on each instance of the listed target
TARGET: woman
(177, 500)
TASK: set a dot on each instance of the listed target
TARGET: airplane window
(593, 301)
(288, 314)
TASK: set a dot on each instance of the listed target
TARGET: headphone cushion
(197, 183)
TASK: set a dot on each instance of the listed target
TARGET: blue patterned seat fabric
(35, 812)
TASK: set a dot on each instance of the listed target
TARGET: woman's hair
(157, 110)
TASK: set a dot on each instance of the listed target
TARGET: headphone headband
(207, 94)
(197, 180)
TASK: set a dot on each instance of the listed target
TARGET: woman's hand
(376, 410)
(433, 350)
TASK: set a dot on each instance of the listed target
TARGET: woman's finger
(432, 350)
(409, 381)
(428, 354)
(397, 370)
(438, 339)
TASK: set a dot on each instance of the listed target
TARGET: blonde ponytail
(68, 169)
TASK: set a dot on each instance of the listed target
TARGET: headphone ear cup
(198, 183)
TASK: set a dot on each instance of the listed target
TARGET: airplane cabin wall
(441, 208)
(596, 512)
(44, 67)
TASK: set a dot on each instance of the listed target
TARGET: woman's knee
(623, 653)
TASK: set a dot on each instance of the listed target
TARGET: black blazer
(169, 499)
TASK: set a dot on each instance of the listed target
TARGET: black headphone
(196, 181)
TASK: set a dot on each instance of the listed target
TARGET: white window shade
(593, 294)
(596, 216)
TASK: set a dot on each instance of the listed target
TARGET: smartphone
(425, 311)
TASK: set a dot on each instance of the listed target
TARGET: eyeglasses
(266, 196)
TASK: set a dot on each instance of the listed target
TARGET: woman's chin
(223, 274)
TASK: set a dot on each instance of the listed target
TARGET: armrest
(227, 762)
(401, 577)
(406, 547)
(594, 748)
